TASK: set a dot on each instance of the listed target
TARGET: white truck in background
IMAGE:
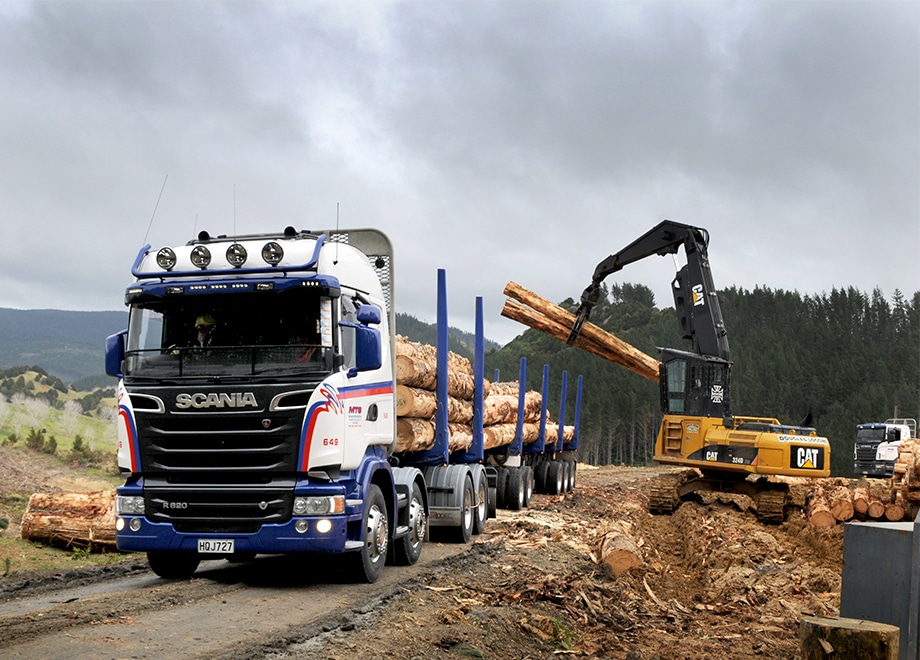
(877, 443)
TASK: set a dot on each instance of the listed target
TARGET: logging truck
(257, 412)
(876, 449)
(699, 429)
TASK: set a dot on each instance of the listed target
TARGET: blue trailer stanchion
(572, 445)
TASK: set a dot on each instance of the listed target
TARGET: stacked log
(905, 481)
(538, 313)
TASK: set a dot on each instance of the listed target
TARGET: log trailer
(256, 408)
(698, 429)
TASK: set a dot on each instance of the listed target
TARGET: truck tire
(481, 490)
(369, 561)
(554, 477)
(464, 499)
(528, 484)
(514, 492)
(501, 488)
(173, 565)
(573, 469)
(408, 549)
(539, 475)
(566, 476)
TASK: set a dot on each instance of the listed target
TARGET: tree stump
(826, 637)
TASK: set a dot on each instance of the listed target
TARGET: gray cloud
(517, 140)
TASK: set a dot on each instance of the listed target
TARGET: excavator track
(667, 491)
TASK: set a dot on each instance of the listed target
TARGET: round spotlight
(166, 258)
(236, 255)
(272, 253)
(200, 256)
(324, 526)
(135, 524)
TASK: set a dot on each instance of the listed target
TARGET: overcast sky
(501, 141)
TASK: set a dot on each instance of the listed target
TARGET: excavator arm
(695, 300)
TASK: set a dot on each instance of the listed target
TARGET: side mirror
(115, 353)
(368, 353)
(369, 315)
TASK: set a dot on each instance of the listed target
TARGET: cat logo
(807, 458)
(697, 292)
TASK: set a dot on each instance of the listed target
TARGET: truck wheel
(501, 488)
(566, 476)
(408, 549)
(465, 501)
(539, 475)
(173, 565)
(573, 469)
(368, 562)
(514, 494)
(528, 484)
(481, 490)
(554, 478)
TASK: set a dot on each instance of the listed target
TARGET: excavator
(725, 452)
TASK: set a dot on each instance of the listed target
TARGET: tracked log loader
(725, 452)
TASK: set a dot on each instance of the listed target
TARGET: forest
(844, 358)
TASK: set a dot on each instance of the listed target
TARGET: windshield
(870, 435)
(263, 333)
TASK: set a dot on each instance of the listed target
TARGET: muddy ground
(713, 583)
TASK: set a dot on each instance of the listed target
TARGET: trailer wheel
(481, 490)
(528, 484)
(566, 470)
(539, 473)
(554, 477)
(501, 488)
(514, 494)
(173, 565)
(573, 470)
(465, 501)
(408, 549)
(368, 562)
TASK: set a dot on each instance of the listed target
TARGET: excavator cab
(694, 385)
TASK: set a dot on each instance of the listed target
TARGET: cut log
(861, 499)
(505, 387)
(834, 637)
(894, 512)
(817, 508)
(841, 503)
(498, 435)
(413, 434)
(460, 437)
(425, 352)
(416, 402)
(82, 520)
(538, 313)
(876, 508)
(617, 552)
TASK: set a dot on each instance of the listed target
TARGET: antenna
(335, 261)
(155, 207)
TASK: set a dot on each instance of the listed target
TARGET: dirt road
(714, 582)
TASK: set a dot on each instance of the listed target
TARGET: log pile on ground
(71, 520)
(905, 481)
(538, 313)
(835, 500)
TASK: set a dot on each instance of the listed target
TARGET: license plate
(211, 546)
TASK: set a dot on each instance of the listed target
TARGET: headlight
(272, 253)
(236, 255)
(200, 256)
(129, 505)
(166, 258)
(319, 506)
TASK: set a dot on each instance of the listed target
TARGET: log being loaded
(727, 453)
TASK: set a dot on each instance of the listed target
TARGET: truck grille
(219, 470)
(240, 510)
(866, 453)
